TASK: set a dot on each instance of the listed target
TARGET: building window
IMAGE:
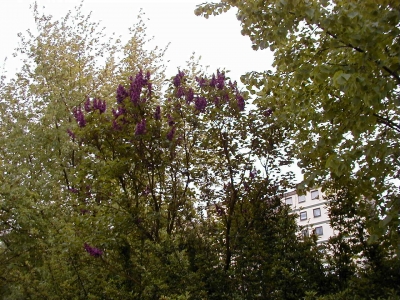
(319, 231)
(305, 233)
(314, 195)
(288, 201)
(303, 216)
(302, 198)
(317, 212)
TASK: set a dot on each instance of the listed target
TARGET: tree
(355, 266)
(64, 62)
(335, 89)
(148, 164)
(115, 190)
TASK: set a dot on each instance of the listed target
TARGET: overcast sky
(217, 40)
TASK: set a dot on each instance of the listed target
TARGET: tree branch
(358, 49)
(388, 122)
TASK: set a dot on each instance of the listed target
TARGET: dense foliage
(334, 89)
(120, 184)
(114, 190)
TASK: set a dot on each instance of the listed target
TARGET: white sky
(217, 39)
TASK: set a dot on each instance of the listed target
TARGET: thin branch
(388, 122)
(358, 49)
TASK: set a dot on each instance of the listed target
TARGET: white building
(312, 213)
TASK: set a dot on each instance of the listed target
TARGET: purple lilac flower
(201, 81)
(141, 127)
(87, 105)
(177, 106)
(225, 97)
(220, 80)
(246, 186)
(233, 85)
(240, 101)
(136, 87)
(200, 104)
(171, 133)
(121, 94)
(189, 95)
(119, 112)
(180, 92)
(149, 89)
(95, 104)
(116, 126)
(100, 105)
(253, 174)
(134, 91)
(93, 251)
(213, 81)
(170, 120)
(177, 80)
(79, 117)
(71, 134)
(157, 113)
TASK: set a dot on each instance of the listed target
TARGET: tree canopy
(112, 188)
(334, 89)
(119, 183)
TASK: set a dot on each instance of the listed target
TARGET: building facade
(312, 213)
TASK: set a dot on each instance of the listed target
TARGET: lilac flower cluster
(171, 133)
(220, 81)
(157, 113)
(189, 95)
(119, 112)
(93, 251)
(121, 94)
(180, 92)
(253, 173)
(240, 101)
(87, 105)
(201, 81)
(100, 105)
(79, 117)
(115, 125)
(200, 104)
(178, 78)
(213, 81)
(141, 127)
(97, 104)
(71, 134)
(170, 120)
(136, 86)
(116, 113)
